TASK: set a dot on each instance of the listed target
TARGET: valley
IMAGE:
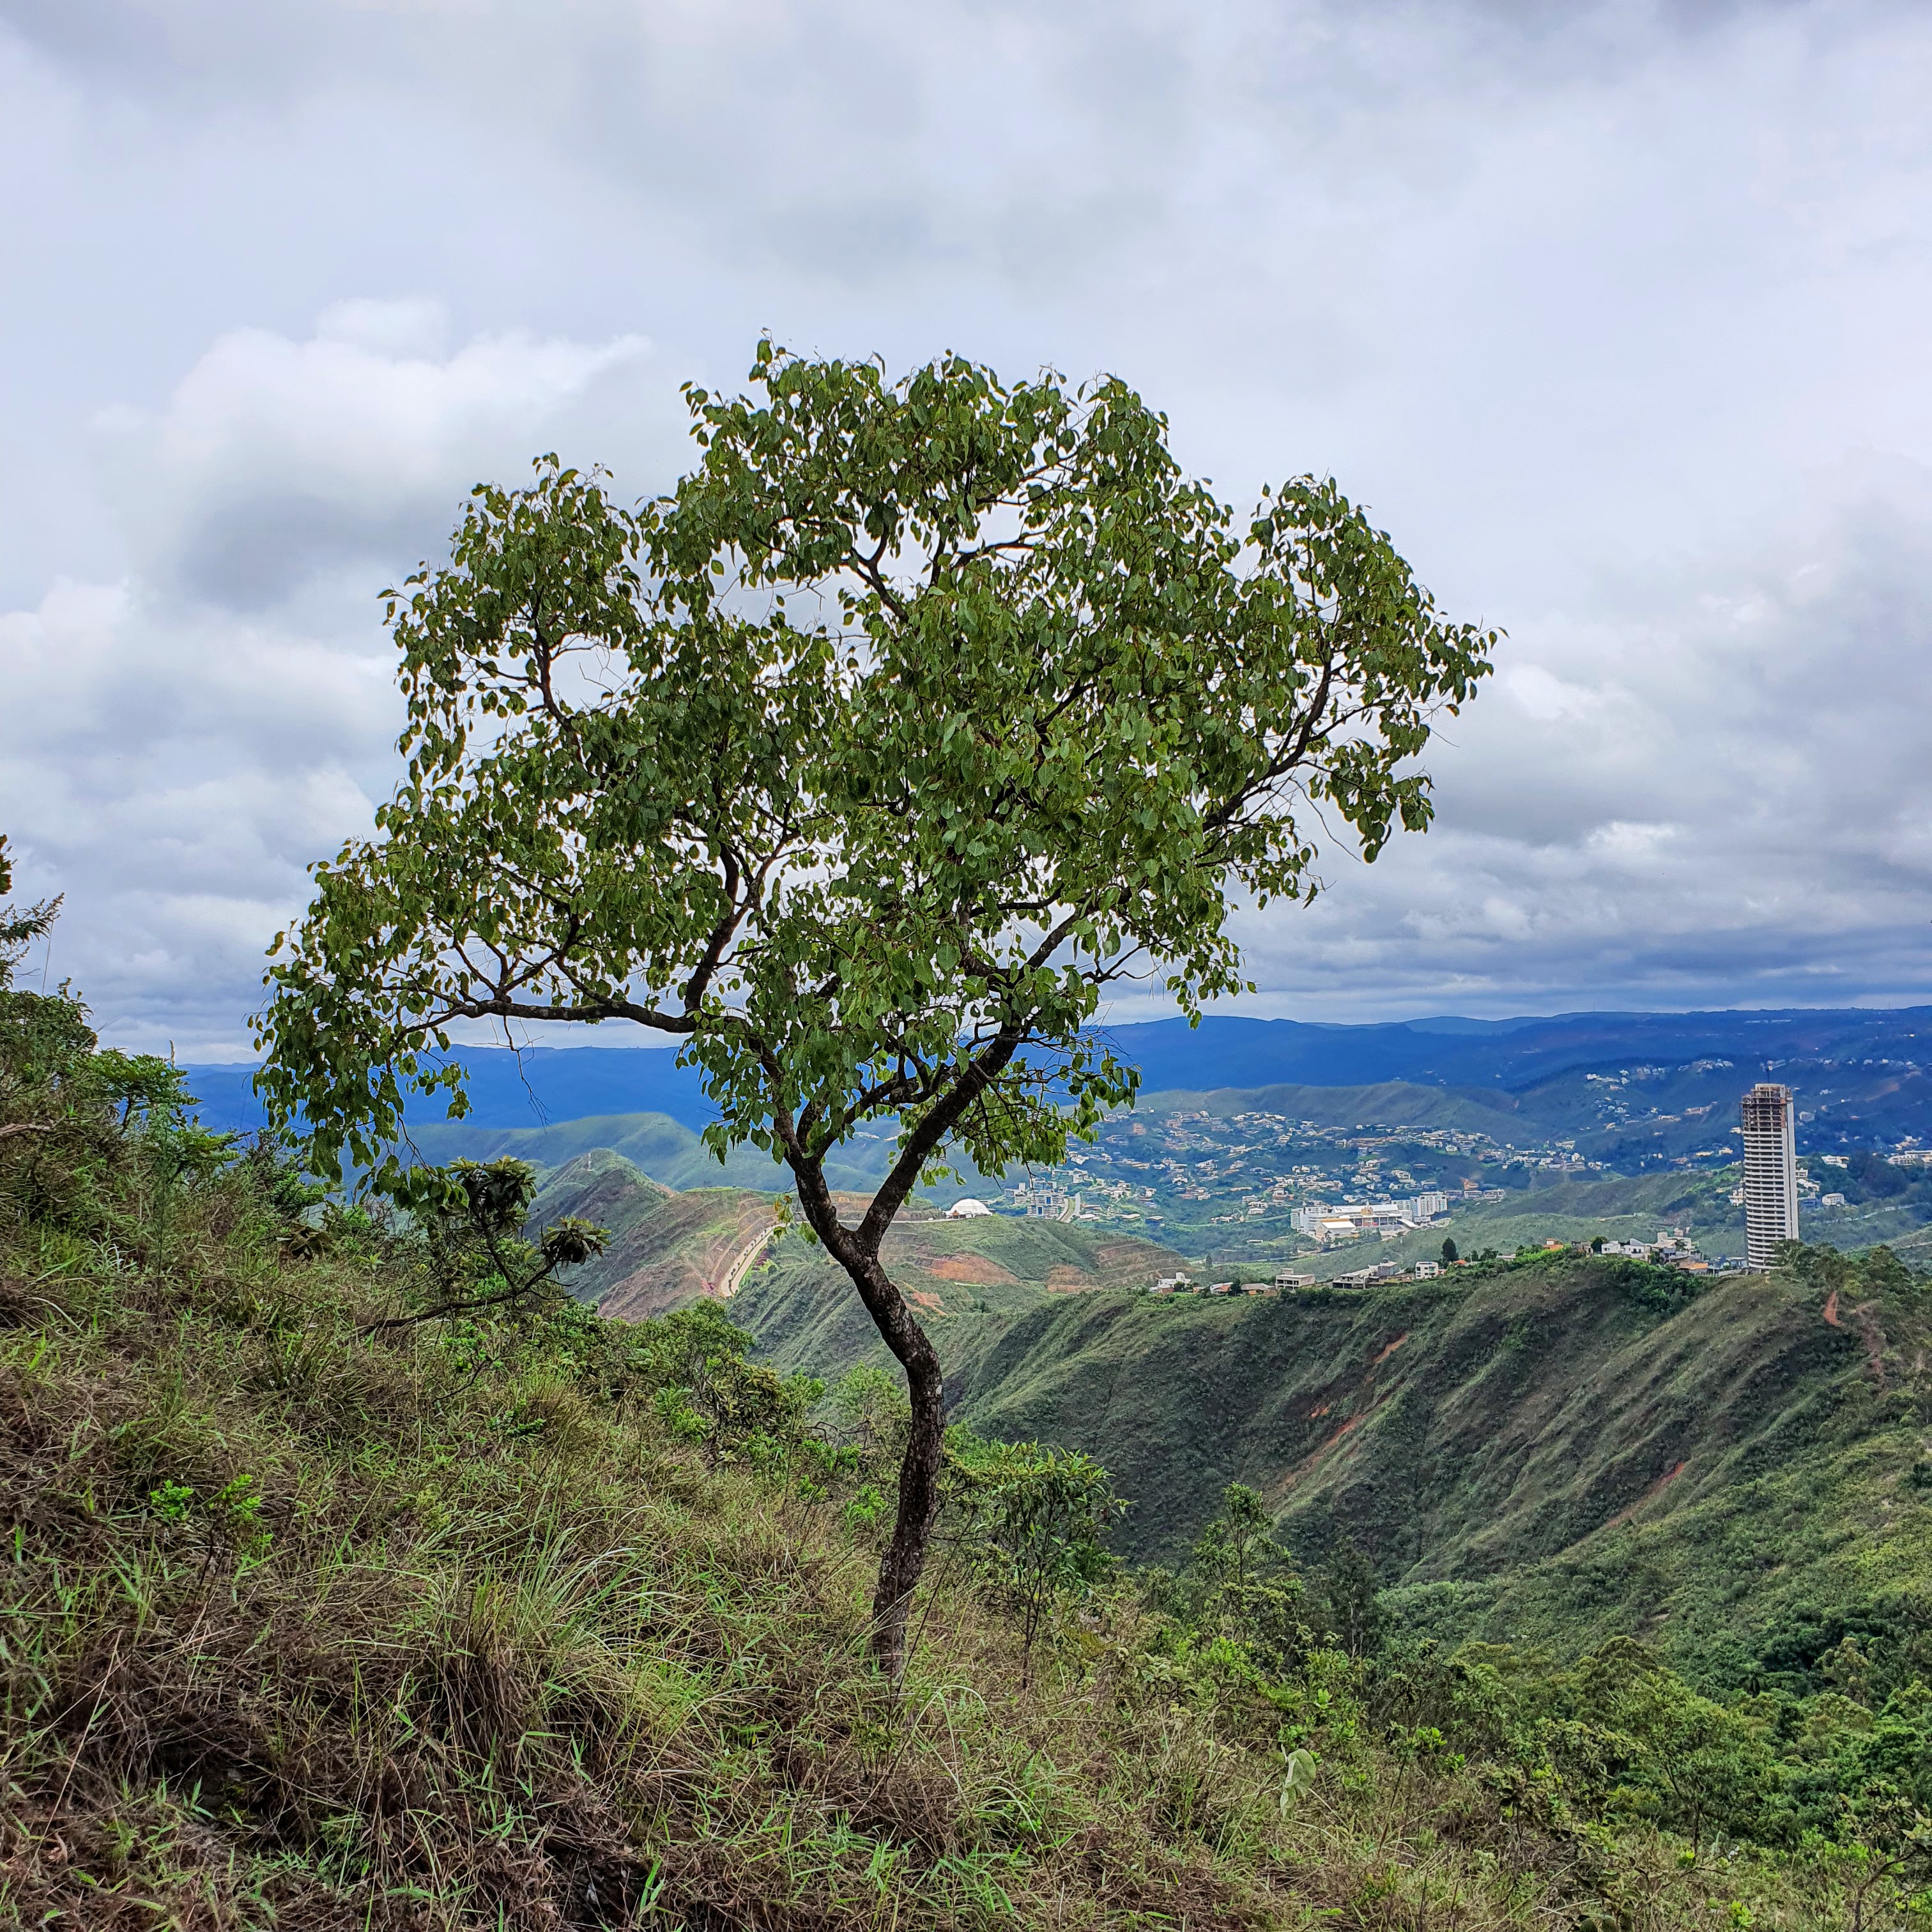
(1548, 1452)
(1543, 1448)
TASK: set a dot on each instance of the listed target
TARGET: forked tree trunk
(856, 1251)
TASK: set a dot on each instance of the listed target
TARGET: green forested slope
(311, 1619)
(661, 1147)
(656, 1145)
(1549, 1452)
(1386, 1102)
(1554, 1452)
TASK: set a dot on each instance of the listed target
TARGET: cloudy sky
(1616, 315)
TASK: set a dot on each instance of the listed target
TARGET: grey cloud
(274, 459)
(1723, 796)
(1611, 312)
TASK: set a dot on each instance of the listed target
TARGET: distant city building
(1356, 1218)
(1771, 1172)
(1049, 1200)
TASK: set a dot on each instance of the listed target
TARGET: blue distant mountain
(534, 1088)
(1512, 1054)
(545, 1085)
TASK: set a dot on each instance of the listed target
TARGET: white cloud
(1613, 313)
(178, 747)
(275, 458)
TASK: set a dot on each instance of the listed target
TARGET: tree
(1240, 1583)
(1349, 1584)
(56, 1083)
(1449, 1252)
(917, 715)
(19, 927)
(1692, 1764)
(473, 1213)
(1240, 1544)
(693, 1360)
(1035, 1521)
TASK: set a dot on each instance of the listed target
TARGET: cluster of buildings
(1773, 1185)
(1354, 1219)
(1048, 1199)
(1286, 1278)
(1196, 1155)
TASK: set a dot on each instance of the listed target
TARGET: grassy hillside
(967, 1278)
(1492, 1441)
(306, 1627)
(1553, 1453)
(339, 1591)
(666, 1248)
(316, 1620)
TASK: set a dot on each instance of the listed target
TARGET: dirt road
(741, 1263)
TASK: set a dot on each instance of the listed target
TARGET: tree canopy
(863, 763)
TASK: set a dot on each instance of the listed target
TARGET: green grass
(486, 1652)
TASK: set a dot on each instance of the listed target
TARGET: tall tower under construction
(1771, 1172)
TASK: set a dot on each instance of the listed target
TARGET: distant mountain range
(545, 1085)
(1514, 1054)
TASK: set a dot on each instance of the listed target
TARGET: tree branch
(520, 1010)
(981, 1072)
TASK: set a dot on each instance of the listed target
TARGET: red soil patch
(1390, 1350)
(1873, 1336)
(1668, 1476)
(974, 1270)
(1322, 1411)
(922, 1300)
(1065, 1280)
(1869, 1332)
(1283, 1484)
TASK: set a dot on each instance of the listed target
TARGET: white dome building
(966, 1208)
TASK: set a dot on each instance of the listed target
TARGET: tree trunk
(904, 1561)
(856, 1251)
